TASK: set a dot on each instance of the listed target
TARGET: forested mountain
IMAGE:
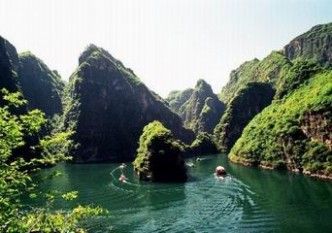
(42, 87)
(107, 106)
(294, 132)
(283, 71)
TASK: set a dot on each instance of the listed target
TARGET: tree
(15, 172)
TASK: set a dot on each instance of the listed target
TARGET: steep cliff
(42, 87)
(202, 111)
(315, 44)
(248, 102)
(107, 106)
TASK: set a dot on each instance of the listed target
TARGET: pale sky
(169, 44)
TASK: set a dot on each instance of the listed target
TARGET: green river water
(247, 200)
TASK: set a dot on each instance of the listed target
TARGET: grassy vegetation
(159, 155)
(275, 137)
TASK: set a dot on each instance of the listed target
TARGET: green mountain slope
(248, 102)
(40, 86)
(294, 132)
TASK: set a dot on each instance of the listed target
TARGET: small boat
(220, 171)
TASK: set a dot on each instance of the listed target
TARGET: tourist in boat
(220, 171)
(123, 178)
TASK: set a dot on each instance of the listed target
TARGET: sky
(169, 44)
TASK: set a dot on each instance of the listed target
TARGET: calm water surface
(247, 200)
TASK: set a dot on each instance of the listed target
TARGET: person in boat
(220, 171)
(123, 178)
(123, 165)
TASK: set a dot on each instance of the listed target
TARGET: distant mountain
(42, 87)
(200, 109)
(176, 99)
(107, 106)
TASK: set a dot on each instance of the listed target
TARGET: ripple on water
(207, 205)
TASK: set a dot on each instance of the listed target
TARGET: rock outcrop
(107, 107)
(42, 87)
(159, 156)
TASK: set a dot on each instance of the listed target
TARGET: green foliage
(43, 220)
(248, 102)
(204, 144)
(42, 87)
(300, 72)
(159, 155)
(55, 148)
(70, 195)
(276, 136)
(269, 70)
(15, 175)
